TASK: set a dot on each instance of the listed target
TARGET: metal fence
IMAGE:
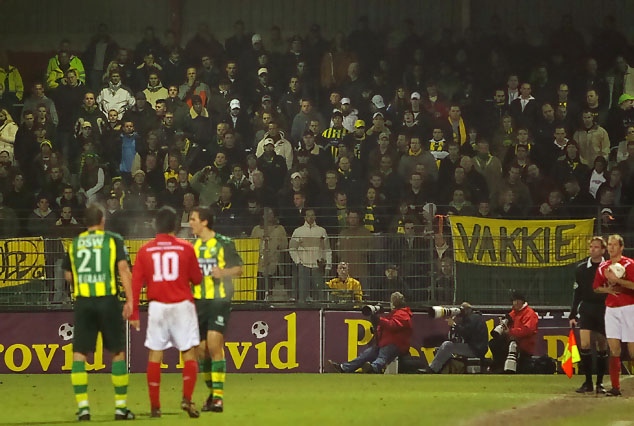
(421, 264)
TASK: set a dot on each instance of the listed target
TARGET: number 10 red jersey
(166, 265)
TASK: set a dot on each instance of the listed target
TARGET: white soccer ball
(260, 329)
(617, 269)
(66, 331)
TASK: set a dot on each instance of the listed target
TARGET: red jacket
(396, 329)
(525, 328)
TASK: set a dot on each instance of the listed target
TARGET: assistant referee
(591, 309)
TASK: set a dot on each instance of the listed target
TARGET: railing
(426, 266)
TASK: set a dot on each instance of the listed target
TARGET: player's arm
(138, 281)
(195, 274)
(629, 271)
(526, 327)
(599, 283)
(576, 299)
(234, 270)
(123, 267)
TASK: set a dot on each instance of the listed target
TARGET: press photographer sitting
(468, 337)
(514, 339)
(392, 338)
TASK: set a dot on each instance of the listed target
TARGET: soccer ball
(66, 331)
(260, 329)
(617, 269)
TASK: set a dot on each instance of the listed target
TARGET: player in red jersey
(167, 265)
(619, 311)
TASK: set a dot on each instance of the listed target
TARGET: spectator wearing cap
(294, 185)
(193, 86)
(302, 120)
(283, 147)
(377, 104)
(238, 119)
(117, 219)
(272, 165)
(136, 193)
(249, 58)
(198, 123)
(619, 118)
(359, 144)
(154, 89)
(378, 125)
(263, 86)
(141, 114)
(335, 133)
(349, 114)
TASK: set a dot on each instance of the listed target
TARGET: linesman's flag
(571, 354)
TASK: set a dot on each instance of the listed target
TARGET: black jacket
(473, 330)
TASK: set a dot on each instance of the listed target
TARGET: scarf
(155, 88)
(463, 131)
(369, 220)
(193, 114)
(414, 154)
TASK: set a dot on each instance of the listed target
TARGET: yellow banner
(520, 243)
(21, 261)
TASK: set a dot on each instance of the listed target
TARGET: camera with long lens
(503, 327)
(443, 312)
(369, 310)
(510, 365)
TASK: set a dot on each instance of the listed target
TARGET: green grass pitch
(329, 399)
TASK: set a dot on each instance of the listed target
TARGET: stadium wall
(272, 341)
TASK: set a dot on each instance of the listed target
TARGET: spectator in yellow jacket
(60, 63)
(344, 287)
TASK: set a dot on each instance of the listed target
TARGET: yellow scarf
(414, 154)
(462, 129)
(368, 221)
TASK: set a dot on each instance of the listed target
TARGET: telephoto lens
(443, 312)
(510, 366)
(369, 310)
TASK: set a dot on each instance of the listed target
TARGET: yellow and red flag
(571, 354)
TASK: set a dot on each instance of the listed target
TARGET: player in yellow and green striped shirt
(219, 262)
(94, 259)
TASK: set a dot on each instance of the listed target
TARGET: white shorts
(172, 325)
(619, 323)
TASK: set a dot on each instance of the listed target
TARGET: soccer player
(167, 265)
(220, 262)
(619, 311)
(94, 258)
(591, 315)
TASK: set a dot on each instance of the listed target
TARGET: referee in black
(591, 316)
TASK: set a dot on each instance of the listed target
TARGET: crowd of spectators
(371, 139)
